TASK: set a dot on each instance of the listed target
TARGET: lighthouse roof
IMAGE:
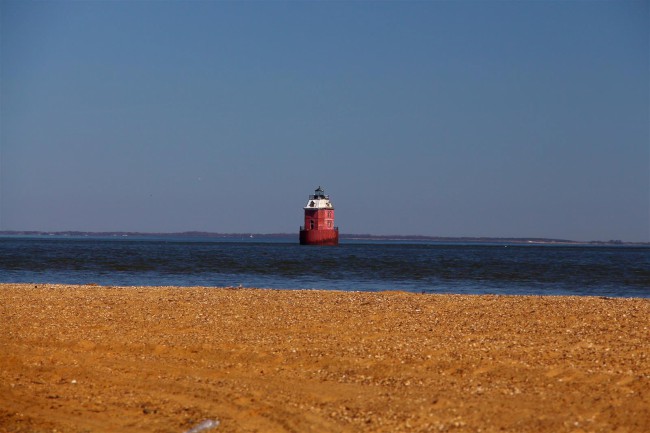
(319, 200)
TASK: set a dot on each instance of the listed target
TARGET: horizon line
(367, 236)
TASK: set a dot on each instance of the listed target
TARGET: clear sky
(444, 118)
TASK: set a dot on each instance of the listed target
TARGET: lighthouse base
(319, 237)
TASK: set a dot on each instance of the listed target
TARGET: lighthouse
(319, 221)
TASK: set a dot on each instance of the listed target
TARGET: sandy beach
(145, 359)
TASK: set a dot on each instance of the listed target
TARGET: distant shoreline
(348, 236)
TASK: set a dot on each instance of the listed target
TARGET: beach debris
(204, 425)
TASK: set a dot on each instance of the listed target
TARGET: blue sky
(468, 118)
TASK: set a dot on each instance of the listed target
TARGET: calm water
(415, 267)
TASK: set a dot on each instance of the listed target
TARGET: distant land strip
(349, 236)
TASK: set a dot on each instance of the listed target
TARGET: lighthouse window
(311, 224)
(329, 223)
(329, 214)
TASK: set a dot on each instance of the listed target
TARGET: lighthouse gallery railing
(335, 228)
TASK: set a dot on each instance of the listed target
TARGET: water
(283, 264)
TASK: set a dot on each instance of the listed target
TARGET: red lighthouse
(319, 221)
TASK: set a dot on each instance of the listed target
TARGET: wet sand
(102, 359)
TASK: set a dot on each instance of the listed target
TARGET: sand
(144, 359)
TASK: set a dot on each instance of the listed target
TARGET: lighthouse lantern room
(319, 226)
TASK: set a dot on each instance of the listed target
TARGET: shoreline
(460, 240)
(163, 359)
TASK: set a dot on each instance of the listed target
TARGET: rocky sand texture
(165, 359)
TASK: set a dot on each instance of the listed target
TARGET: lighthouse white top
(319, 200)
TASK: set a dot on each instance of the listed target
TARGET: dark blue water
(415, 267)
